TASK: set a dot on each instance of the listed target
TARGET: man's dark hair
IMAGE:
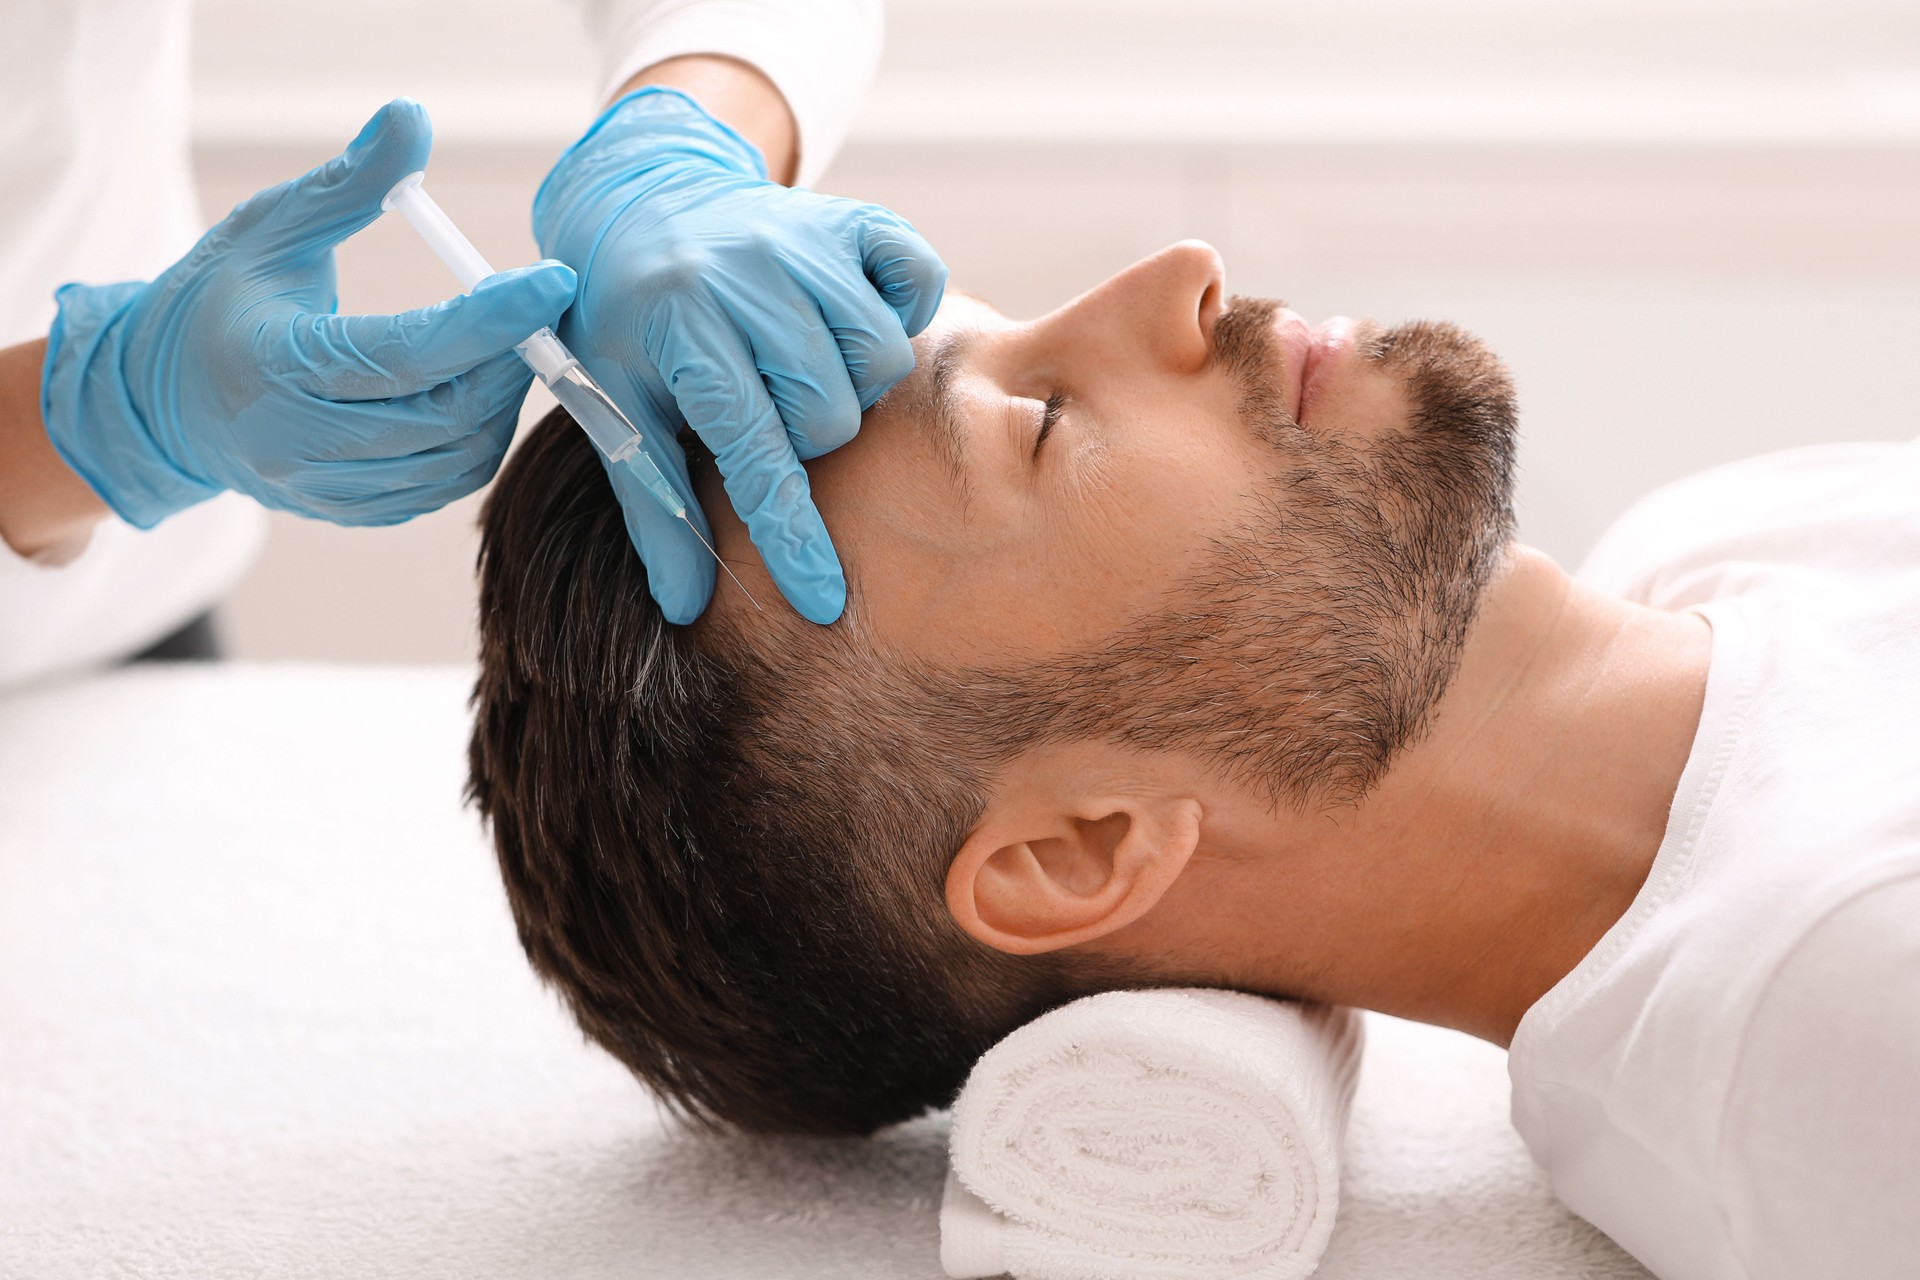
(726, 845)
(729, 887)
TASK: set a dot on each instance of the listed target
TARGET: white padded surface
(262, 1013)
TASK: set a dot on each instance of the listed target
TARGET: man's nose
(1161, 309)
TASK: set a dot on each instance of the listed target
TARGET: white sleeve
(820, 54)
(127, 589)
(1820, 1154)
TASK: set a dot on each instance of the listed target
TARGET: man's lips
(1310, 358)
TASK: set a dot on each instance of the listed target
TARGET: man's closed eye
(1050, 411)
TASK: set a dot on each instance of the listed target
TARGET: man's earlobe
(1030, 879)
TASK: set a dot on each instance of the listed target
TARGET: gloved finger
(381, 356)
(713, 377)
(486, 396)
(680, 572)
(361, 506)
(324, 206)
(903, 267)
(432, 496)
(349, 477)
(873, 344)
(806, 373)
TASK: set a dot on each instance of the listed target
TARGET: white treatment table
(262, 1013)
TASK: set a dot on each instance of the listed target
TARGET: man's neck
(1499, 848)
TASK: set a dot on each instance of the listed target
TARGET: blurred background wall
(1692, 226)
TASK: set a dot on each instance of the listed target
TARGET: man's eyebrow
(940, 405)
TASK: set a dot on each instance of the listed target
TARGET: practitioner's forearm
(45, 509)
(737, 94)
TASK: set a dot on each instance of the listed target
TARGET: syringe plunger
(544, 352)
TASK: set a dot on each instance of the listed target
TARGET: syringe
(609, 429)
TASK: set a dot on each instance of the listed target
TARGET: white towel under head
(1153, 1135)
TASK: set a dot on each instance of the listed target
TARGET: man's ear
(1042, 872)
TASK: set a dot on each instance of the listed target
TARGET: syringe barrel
(437, 229)
(548, 356)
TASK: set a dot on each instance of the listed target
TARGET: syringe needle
(723, 564)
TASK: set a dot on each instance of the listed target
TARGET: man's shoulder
(1822, 504)
(1758, 940)
(1816, 1147)
(1856, 960)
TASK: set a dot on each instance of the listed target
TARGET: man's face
(965, 530)
(1034, 486)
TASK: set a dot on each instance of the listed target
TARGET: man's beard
(1329, 625)
(1442, 485)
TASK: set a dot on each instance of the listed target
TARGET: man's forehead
(959, 310)
(966, 296)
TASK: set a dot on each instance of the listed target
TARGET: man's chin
(1453, 468)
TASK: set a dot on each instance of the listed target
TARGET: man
(1187, 644)
(696, 284)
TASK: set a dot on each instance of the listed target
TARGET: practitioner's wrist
(737, 95)
(46, 510)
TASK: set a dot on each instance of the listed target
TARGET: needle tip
(723, 564)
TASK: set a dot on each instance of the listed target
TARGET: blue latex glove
(765, 317)
(231, 371)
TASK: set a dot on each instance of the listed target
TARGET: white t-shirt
(1729, 1083)
(96, 185)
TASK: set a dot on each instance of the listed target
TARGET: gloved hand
(767, 318)
(230, 371)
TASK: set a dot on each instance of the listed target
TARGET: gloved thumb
(910, 276)
(324, 206)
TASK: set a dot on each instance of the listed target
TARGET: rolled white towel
(1153, 1135)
